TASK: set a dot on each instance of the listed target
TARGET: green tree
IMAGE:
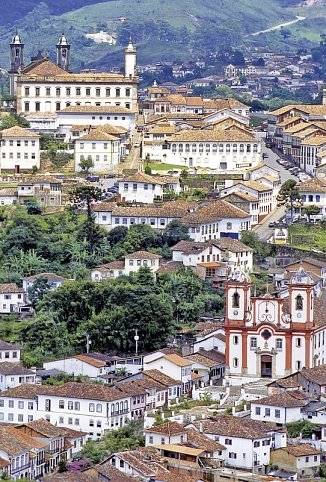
(13, 120)
(289, 195)
(175, 231)
(86, 164)
(39, 288)
(311, 211)
(224, 91)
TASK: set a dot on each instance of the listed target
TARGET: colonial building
(19, 149)
(46, 86)
(273, 337)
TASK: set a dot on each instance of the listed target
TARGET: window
(228, 147)
(99, 407)
(253, 343)
(228, 226)
(20, 417)
(317, 198)
(2, 403)
(91, 407)
(76, 421)
(20, 404)
(235, 340)
(30, 418)
(256, 443)
(48, 91)
(37, 91)
(117, 92)
(11, 404)
(298, 342)
(30, 406)
(10, 417)
(77, 405)
(47, 404)
(307, 459)
(69, 420)
(68, 91)
(298, 365)
(279, 344)
(127, 92)
(235, 300)
(257, 410)
(235, 362)
(70, 405)
(232, 455)
(78, 91)
(277, 413)
(228, 441)
(97, 92)
(26, 91)
(58, 91)
(37, 106)
(26, 106)
(267, 412)
(299, 303)
(57, 106)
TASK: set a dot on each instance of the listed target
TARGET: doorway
(266, 366)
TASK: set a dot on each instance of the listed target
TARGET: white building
(45, 86)
(310, 155)
(174, 366)
(9, 352)
(15, 374)
(131, 264)
(79, 365)
(12, 298)
(96, 116)
(46, 190)
(313, 193)
(226, 150)
(53, 281)
(281, 408)
(248, 442)
(83, 406)
(102, 148)
(19, 149)
(141, 188)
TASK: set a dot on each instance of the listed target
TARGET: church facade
(270, 337)
(44, 86)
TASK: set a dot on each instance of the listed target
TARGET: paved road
(262, 229)
(278, 26)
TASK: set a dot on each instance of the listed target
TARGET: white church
(44, 86)
(270, 337)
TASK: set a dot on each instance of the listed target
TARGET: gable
(44, 68)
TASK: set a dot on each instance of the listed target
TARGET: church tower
(130, 61)
(301, 298)
(16, 62)
(63, 53)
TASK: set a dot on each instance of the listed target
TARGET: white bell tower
(237, 298)
(130, 61)
(301, 297)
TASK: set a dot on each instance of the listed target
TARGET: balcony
(119, 412)
(19, 469)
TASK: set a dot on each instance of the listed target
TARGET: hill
(163, 30)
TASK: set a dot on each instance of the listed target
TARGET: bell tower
(16, 62)
(237, 298)
(301, 298)
(130, 61)
(63, 53)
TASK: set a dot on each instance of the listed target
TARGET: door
(266, 366)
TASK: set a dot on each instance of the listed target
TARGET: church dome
(16, 39)
(301, 277)
(63, 41)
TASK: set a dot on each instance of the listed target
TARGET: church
(44, 86)
(270, 337)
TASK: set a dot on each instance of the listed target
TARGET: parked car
(92, 178)
(136, 144)
(265, 155)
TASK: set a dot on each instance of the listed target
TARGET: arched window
(99, 407)
(228, 226)
(221, 148)
(235, 300)
(228, 147)
(241, 147)
(201, 148)
(214, 147)
(317, 198)
(208, 148)
(235, 148)
(174, 148)
(303, 198)
(255, 147)
(248, 148)
(187, 148)
(194, 148)
(299, 303)
(180, 147)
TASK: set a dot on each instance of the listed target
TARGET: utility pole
(88, 342)
(136, 338)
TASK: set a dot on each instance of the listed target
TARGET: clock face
(235, 312)
(299, 315)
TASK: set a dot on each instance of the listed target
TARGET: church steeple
(63, 52)
(16, 61)
(130, 61)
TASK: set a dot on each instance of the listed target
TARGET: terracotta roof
(43, 67)
(9, 368)
(74, 477)
(160, 377)
(284, 399)
(10, 288)
(314, 184)
(203, 360)
(173, 209)
(4, 345)
(170, 267)
(109, 266)
(229, 244)
(233, 134)
(177, 360)
(230, 426)
(71, 433)
(131, 388)
(315, 141)
(9, 191)
(301, 450)
(90, 361)
(142, 178)
(241, 195)
(97, 109)
(218, 210)
(19, 132)
(180, 449)
(97, 135)
(39, 179)
(255, 185)
(315, 374)
(113, 130)
(85, 391)
(190, 247)
(112, 474)
(145, 460)
(206, 327)
(45, 428)
(213, 354)
(311, 261)
(142, 255)
(199, 440)
(168, 428)
(289, 120)
(4, 463)
(14, 442)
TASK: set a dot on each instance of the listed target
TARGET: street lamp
(136, 338)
